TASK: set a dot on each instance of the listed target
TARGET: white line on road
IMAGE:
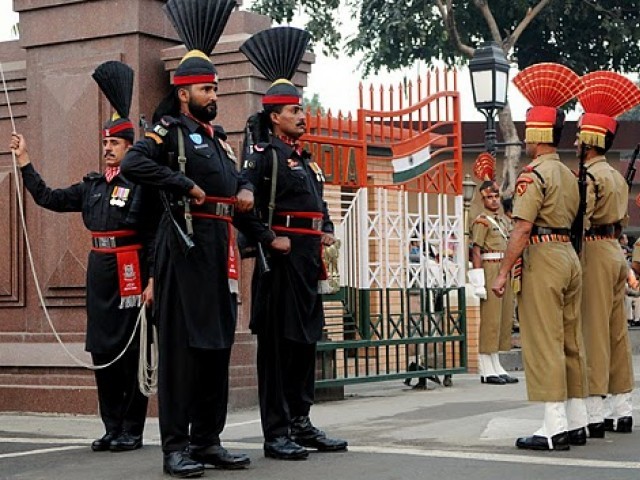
(38, 452)
(549, 459)
(500, 457)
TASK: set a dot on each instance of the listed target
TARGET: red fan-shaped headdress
(484, 169)
(605, 96)
(547, 86)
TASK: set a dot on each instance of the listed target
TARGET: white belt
(492, 256)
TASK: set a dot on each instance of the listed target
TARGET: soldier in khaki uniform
(604, 267)
(489, 237)
(545, 206)
(509, 299)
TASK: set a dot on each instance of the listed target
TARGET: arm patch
(156, 138)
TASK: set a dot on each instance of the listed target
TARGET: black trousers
(286, 382)
(123, 407)
(193, 390)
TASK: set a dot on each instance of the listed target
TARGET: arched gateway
(393, 185)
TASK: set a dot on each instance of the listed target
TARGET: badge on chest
(119, 196)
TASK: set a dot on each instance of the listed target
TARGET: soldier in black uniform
(121, 217)
(196, 301)
(287, 313)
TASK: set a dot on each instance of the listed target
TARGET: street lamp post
(489, 80)
(468, 189)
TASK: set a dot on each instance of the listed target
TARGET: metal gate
(394, 193)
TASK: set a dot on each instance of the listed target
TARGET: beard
(203, 113)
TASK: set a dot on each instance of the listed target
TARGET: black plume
(277, 52)
(115, 79)
(199, 23)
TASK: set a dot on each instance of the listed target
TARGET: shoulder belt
(593, 179)
(530, 169)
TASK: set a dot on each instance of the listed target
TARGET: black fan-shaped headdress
(115, 79)
(277, 53)
(199, 23)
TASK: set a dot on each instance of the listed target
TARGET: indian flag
(411, 166)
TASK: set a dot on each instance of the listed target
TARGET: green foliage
(314, 104)
(582, 34)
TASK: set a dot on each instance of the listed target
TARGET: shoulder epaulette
(91, 176)
(219, 132)
(482, 220)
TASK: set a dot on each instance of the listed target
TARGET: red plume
(484, 168)
(608, 93)
(548, 84)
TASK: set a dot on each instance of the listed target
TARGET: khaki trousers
(550, 326)
(490, 312)
(604, 322)
(506, 325)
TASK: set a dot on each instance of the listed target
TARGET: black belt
(214, 208)
(110, 241)
(290, 221)
(608, 230)
(536, 230)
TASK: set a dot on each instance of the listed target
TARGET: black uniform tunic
(194, 305)
(287, 312)
(122, 406)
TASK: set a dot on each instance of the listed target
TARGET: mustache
(301, 124)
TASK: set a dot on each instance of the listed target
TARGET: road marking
(500, 457)
(549, 459)
(38, 452)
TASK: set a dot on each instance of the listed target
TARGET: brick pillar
(61, 110)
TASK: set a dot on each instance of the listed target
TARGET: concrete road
(463, 432)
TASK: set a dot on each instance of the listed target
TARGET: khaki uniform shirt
(547, 196)
(607, 194)
(488, 234)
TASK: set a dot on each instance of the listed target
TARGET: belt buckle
(316, 224)
(220, 211)
(287, 220)
(105, 242)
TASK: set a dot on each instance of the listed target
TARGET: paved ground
(466, 431)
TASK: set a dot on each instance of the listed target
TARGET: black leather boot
(102, 444)
(179, 464)
(304, 433)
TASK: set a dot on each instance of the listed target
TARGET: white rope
(30, 255)
(148, 362)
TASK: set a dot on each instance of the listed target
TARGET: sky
(336, 80)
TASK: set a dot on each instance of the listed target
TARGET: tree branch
(483, 6)
(450, 22)
(528, 18)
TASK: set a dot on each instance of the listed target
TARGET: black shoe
(578, 436)
(493, 380)
(102, 443)
(559, 441)
(283, 448)
(125, 441)
(623, 425)
(596, 430)
(181, 465)
(304, 433)
(508, 378)
(216, 456)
